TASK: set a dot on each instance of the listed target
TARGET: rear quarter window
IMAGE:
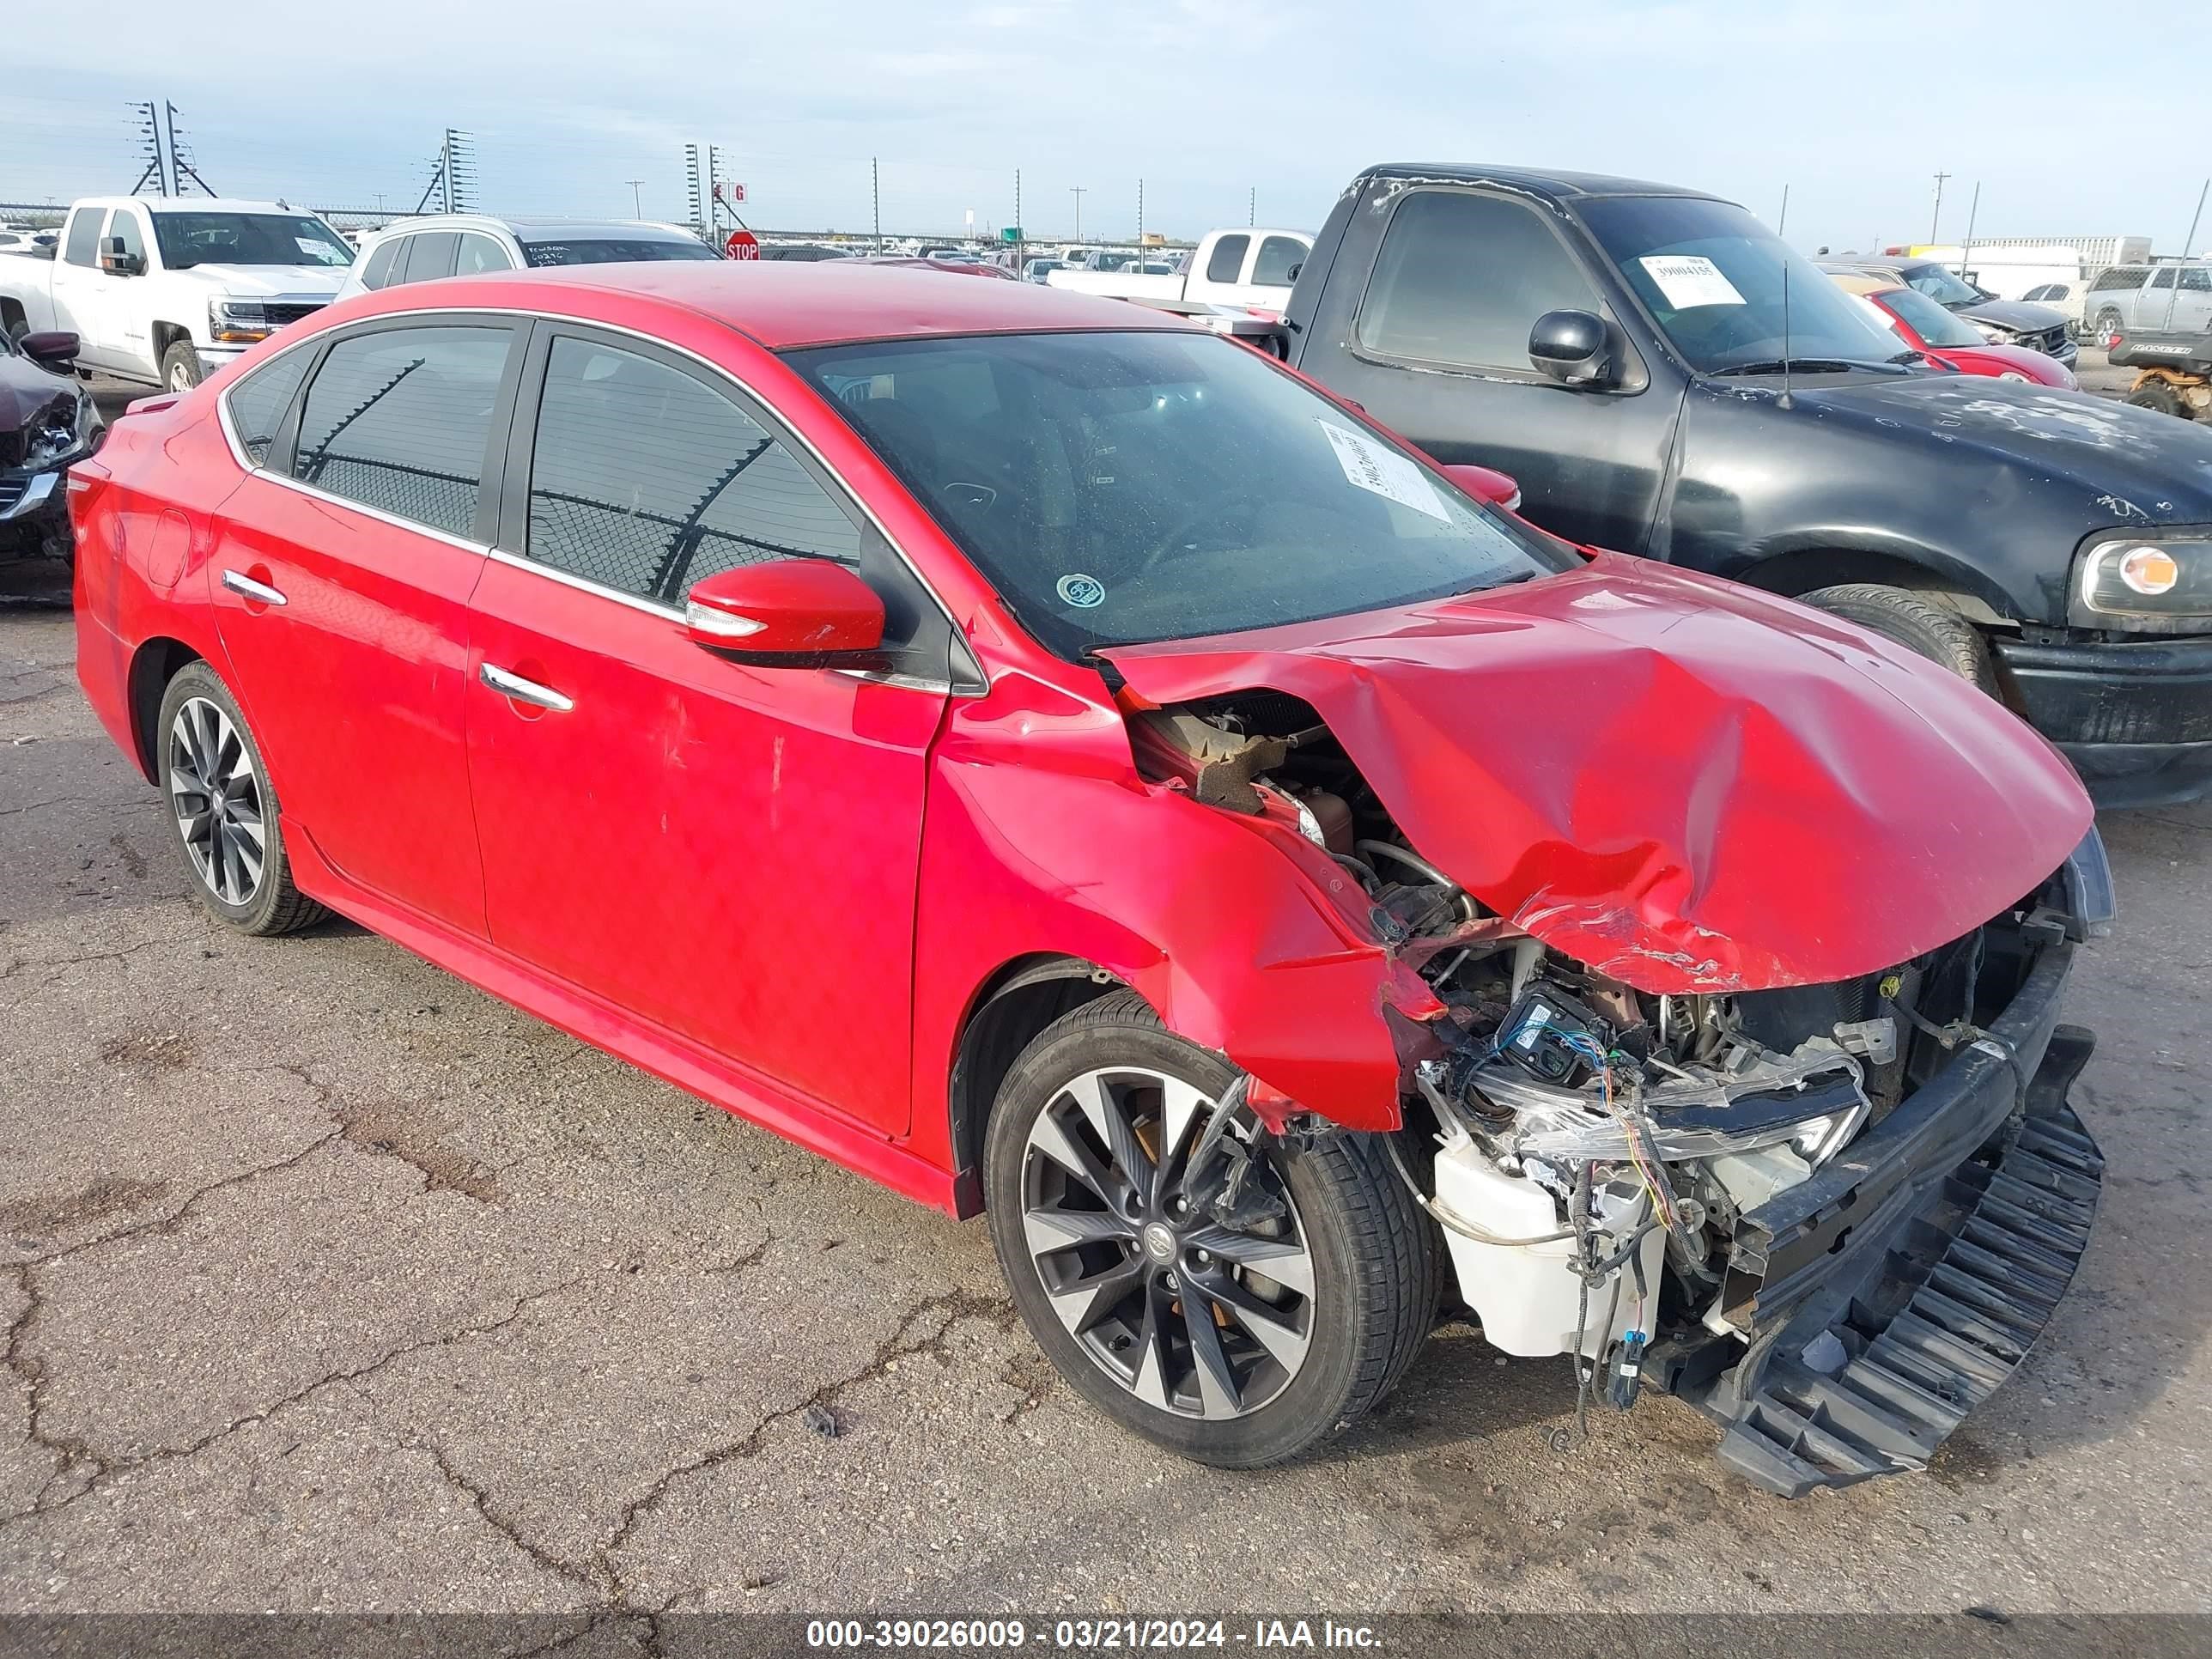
(258, 402)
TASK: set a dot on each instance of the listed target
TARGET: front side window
(1931, 322)
(1226, 263)
(644, 479)
(1730, 295)
(2196, 279)
(122, 227)
(1461, 279)
(398, 420)
(540, 252)
(258, 402)
(1123, 487)
(430, 256)
(377, 272)
(247, 238)
(1278, 261)
(1944, 287)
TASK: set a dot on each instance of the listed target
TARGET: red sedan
(1944, 337)
(1057, 762)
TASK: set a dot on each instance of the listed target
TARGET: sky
(1220, 108)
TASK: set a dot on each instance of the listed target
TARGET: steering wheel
(1185, 530)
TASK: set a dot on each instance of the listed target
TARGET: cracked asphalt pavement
(329, 1283)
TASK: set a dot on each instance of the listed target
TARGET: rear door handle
(243, 585)
(522, 690)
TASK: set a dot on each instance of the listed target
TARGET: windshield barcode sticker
(1370, 465)
(1689, 279)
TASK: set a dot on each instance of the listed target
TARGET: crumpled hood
(1685, 784)
(302, 282)
(26, 393)
(2128, 465)
(2023, 315)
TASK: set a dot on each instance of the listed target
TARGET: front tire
(2159, 395)
(1238, 1348)
(1916, 622)
(2108, 325)
(229, 827)
(180, 367)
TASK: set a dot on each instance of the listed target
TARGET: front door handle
(243, 585)
(522, 690)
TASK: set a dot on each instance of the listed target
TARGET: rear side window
(1278, 261)
(1226, 263)
(82, 247)
(479, 252)
(258, 402)
(644, 479)
(2164, 279)
(1462, 278)
(399, 421)
(377, 272)
(429, 255)
(2118, 277)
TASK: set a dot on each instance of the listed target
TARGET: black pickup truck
(1664, 376)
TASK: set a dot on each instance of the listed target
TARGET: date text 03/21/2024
(1086, 1635)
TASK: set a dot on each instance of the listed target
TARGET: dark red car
(1057, 762)
(1944, 337)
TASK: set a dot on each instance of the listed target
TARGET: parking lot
(333, 1283)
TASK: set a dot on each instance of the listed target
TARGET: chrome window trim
(582, 584)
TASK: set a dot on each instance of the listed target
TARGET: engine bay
(1589, 1149)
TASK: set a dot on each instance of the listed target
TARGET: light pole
(637, 201)
(1077, 190)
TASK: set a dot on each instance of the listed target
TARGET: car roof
(780, 304)
(609, 228)
(1546, 185)
(193, 204)
(1856, 282)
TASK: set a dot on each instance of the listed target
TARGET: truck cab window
(1461, 278)
(82, 247)
(1227, 262)
(122, 227)
(1278, 261)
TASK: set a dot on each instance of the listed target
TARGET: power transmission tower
(150, 135)
(452, 175)
(180, 156)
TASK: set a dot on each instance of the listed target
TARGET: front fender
(1040, 838)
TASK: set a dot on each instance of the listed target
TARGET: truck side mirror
(1574, 348)
(116, 263)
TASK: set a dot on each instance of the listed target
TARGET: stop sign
(742, 245)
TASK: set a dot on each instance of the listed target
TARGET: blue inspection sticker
(1084, 592)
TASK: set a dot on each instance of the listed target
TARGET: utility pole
(1784, 221)
(1140, 218)
(876, 196)
(1937, 218)
(2189, 241)
(1019, 229)
(1973, 212)
(636, 200)
(1077, 190)
(1252, 208)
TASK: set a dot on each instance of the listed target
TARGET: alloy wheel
(1187, 1316)
(216, 796)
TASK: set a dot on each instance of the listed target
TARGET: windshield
(1937, 326)
(1940, 285)
(1711, 277)
(1123, 487)
(246, 239)
(612, 250)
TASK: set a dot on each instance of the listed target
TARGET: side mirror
(786, 613)
(1486, 484)
(116, 262)
(52, 348)
(1574, 348)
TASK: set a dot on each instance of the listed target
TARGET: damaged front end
(1833, 1213)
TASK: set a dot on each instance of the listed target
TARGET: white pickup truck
(167, 289)
(1251, 269)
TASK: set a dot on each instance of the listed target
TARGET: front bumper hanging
(1890, 1294)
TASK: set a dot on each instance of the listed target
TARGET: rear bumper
(1893, 1292)
(2135, 717)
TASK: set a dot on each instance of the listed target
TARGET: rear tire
(1367, 1256)
(2159, 395)
(2108, 324)
(180, 367)
(230, 830)
(1912, 620)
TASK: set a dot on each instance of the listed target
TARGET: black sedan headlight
(60, 433)
(2154, 581)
